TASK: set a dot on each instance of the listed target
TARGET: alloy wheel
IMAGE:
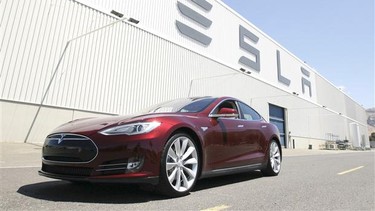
(275, 158)
(182, 164)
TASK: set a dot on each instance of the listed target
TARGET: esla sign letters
(205, 23)
(255, 64)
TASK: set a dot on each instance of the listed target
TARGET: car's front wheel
(274, 160)
(179, 166)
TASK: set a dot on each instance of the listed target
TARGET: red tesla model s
(170, 145)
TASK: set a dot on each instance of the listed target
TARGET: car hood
(89, 126)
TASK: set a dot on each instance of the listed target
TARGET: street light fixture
(243, 70)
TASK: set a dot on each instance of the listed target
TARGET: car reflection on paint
(170, 145)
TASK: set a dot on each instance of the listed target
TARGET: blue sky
(335, 37)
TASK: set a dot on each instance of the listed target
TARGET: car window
(181, 105)
(198, 105)
(248, 113)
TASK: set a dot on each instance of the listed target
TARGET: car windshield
(183, 105)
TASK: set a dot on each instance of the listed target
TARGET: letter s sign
(244, 33)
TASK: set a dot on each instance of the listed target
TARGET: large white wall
(48, 50)
(160, 16)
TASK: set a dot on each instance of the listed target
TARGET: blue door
(277, 117)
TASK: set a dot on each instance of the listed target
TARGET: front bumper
(128, 179)
(114, 159)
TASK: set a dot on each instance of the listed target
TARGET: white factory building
(64, 59)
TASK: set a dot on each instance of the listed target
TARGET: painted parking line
(217, 208)
(350, 170)
(19, 167)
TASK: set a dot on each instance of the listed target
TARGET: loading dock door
(277, 117)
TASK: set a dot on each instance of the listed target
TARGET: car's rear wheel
(274, 161)
(179, 166)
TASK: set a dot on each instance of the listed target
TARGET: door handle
(240, 126)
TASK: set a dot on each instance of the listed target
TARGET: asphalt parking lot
(310, 180)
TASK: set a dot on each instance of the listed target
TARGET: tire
(274, 160)
(180, 165)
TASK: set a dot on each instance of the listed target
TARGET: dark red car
(170, 145)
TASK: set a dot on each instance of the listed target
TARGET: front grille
(65, 170)
(73, 148)
(62, 159)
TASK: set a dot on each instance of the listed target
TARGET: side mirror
(225, 112)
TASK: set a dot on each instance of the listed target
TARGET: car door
(253, 135)
(226, 140)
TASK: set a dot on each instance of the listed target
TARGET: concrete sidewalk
(20, 155)
(304, 152)
(13, 155)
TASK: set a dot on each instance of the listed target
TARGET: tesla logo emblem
(196, 17)
(60, 139)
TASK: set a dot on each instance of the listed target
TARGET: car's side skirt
(232, 170)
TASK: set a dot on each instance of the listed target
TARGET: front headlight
(131, 129)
